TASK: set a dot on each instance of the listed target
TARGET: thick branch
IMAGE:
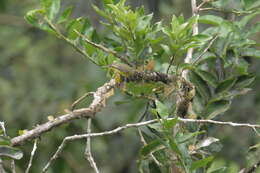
(97, 104)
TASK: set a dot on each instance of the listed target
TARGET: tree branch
(31, 157)
(97, 104)
(104, 49)
(88, 154)
(195, 30)
(137, 125)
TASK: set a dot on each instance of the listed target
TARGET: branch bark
(97, 104)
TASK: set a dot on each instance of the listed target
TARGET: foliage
(219, 73)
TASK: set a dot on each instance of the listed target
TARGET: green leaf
(35, 18)
(4, 140)
(201, 163)
(51, 7)
(11, 152)
(169, 124)
(151, 147)
(100, 12)
(198, 104)
(210, 19)
(166, 49)
(225, 85)
(187, 136)
(174, 146)
(230, 94)
(205, 57)
(219, 170)
(200, 84)
(32, 17)
(253, 29)
(242, 23)
(251, 52)
(244, 81)
(251, 4)
(215, 108)
(65, 15)
(207, 76)
(162, 109)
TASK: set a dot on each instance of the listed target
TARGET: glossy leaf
(4, 140)
(65, 15)
(35, 18)
(201, 163)
(187, 136)
(11, 152)
(225, 85)
(251, 52)
(162, 109)
(169, 124)
(219, 170)
(243, 22)
(51, 7)
(151, 147)
(244, 81)
(210, 19)
(216, 108)
(200, 84)
(208, 77)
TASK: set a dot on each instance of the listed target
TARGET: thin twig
(2, 170)
(13, 166)
(205, 50)
(2, 126)
(170, 64)
(203, 3)
(104, 49)
(236, 12)
(32, 155)
(80, 99)
(195, 30)
(145, 143)
(72, 43)
(88, 154)
(136, 125)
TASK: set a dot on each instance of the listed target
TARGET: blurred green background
(41, 75)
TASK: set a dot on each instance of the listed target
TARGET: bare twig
(144, 143)
(104, 49)
(72, 43)
(206, 49)
(2, 126)
(203, 3)
(170, 64)
(13, 166)
(136, 125)
(195, 31)
(32, 155)
(88, 154)
(100, 97)
(80, 99)
(2, 170)
(97, 104)
(236, 12)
